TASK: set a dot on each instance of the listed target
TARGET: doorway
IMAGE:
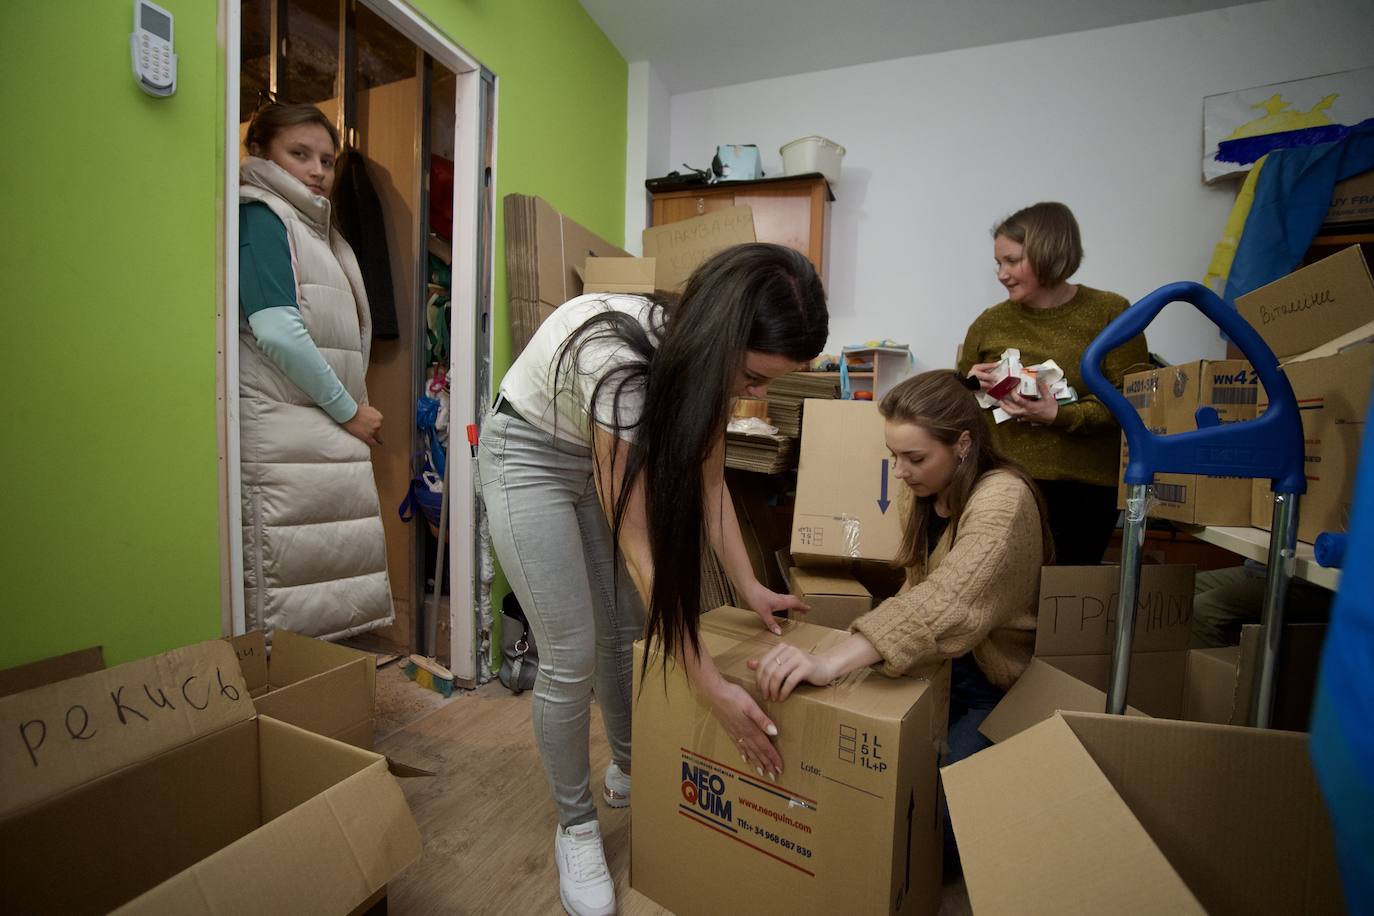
(420, 113)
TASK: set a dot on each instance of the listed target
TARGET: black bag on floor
(519, 657)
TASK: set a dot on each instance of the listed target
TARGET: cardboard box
(1073, 650)
(846, 505)
(1091, 814)
(1333, 400)
(851, 825)
(1352, 200)
(319, 686)
(618, 275)
(155, 787)
(681, 246)
(544, 252)
(1312, 305)
(835, 598)
(1167, 400)
(49, 670)
(1073, 646)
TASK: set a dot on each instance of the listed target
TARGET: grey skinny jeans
(554, 545)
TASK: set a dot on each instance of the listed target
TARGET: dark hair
(1050, 237)
(761, 297)
(940, 403)
(273, 118)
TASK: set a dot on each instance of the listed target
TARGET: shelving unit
(1253, 544)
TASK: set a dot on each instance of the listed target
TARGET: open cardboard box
(1073, 650)
(850, 826)
(1088, 813)
(155, 787)
(320, 686)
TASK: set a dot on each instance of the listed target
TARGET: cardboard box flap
(68, 733)
(681, 246)
(295, 658)
(251, 649)
(733, 636)
(50, 670)
(563, 247)
(1037, 695)
(818, 582)
(326, 855)
(1042, 830)
(1199, 788)
(1078, 606)
(618, 275)
(337, 705)
(1361, 335)
(1313, 304)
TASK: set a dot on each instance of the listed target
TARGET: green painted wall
(107, 298)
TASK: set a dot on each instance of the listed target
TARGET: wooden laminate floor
(486, 817)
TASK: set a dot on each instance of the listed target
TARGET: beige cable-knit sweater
(981, 593)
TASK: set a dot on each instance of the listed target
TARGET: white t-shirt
(530, 383)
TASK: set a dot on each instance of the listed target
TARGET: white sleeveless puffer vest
(314, 552)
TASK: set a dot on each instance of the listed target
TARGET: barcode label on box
(1171, 493)
(1234, 395)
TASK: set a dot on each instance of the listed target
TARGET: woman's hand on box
(748, 727)
(765, 602)
(785, 666)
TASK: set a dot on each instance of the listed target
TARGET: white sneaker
(617, 792)
(584, 882)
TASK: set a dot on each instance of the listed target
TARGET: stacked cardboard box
(1167, 400)
(1319, 321)
(847, 495)
(850, 826)
(786, 394)
(836, 599)
(544, 252)
(759, 452)
(155, 787)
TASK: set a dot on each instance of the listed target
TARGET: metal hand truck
(1269, 446)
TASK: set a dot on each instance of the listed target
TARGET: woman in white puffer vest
(314, 552)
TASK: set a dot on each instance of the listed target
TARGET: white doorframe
(464, 304)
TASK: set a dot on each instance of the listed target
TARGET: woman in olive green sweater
(1072, 450)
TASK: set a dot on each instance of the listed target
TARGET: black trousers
(1082, 518)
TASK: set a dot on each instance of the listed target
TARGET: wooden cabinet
(792, 211)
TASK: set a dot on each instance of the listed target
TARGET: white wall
(646, 147)
(942, 146)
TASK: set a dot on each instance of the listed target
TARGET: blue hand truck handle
(1269, 446)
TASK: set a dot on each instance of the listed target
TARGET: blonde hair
(939, 403)
(1050, 237)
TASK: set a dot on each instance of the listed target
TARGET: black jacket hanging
(358, 216)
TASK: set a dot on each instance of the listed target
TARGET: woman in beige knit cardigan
(975, 539)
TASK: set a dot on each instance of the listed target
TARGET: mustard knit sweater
(981, 593)
(1084, 442)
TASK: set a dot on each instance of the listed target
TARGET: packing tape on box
(849, 536)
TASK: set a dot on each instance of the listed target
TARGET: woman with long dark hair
(602, 468)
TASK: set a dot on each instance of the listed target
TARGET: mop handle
(1269, 446)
